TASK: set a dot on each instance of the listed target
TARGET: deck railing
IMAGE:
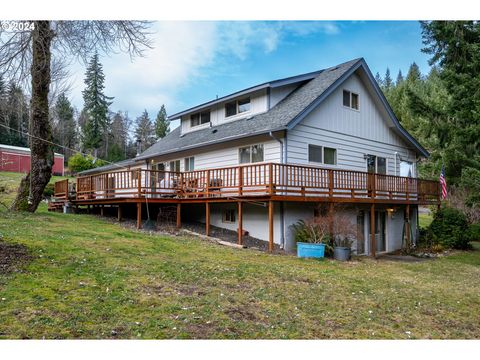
(265, 179)
(60, 189)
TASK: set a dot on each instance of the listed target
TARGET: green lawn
(91, 278)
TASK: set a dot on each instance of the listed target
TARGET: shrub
(449, 229)
(78, 163)
(311, 231)
(49, 190)
(475, 232)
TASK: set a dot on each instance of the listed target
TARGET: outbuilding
(17, 159)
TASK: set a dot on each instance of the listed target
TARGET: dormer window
(350, 99)
(200, 118)
(237, 107)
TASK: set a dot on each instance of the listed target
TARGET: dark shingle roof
(277, 118)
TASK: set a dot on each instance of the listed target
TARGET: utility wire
(61, 146)
(257, 203)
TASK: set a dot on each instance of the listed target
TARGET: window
(228, 216)
(376, 164)
(406, 168)
(315, 153)
(200, 118)
(189, 163)
(350, 100)
(251, 154)
(330, 156)
(320, 154)
(237, 107)
(175, 165)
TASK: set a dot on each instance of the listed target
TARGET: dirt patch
(241, 314)
(13, 257)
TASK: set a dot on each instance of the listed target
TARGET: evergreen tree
(378, 79)
(413, 74)
(162, 125)
(4, 133)
(96, 105)
(454, 46)
(16, 116)
(399, 78)
(387, 82)
(64, 126)
(119, 132)
(145, 132)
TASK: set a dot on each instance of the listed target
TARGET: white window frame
(237, 107)
(323, 155)
(189, 160)
(251, 153)
(376, 163)
(200, 118)
(350, 98)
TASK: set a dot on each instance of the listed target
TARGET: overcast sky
(193, 62)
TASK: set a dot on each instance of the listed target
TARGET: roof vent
(249, 117)
(335, 68)
(214, 131)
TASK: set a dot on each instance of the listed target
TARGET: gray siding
(353, 133)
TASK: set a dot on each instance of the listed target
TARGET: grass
(91, 278)
(424, 220)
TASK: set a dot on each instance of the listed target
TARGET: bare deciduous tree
(30, 54)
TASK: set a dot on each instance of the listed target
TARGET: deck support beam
(407, 225)
(139, 215)
(330, 221)
(119, 213)
(373, 245)
(270, 226)
(179, 215)
(240, 223)
(101, 210)
(207, 218)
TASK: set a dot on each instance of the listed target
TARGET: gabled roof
(270, 84)
(284, 115)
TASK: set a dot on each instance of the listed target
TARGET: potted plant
(311, 237)
(343, 248)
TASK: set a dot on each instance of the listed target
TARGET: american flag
(443, 182)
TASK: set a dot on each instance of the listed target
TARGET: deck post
(240, 223)
(270, 226)
(407, 224)
(139, 182)
(207, 218)
(179, 215)
(101, 210)
(119, 213)
(372, 231)
(330, 221)
(139, 215)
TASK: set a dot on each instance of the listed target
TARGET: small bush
(49, 190)
(78, 163)
(449, 229)
(475, 232)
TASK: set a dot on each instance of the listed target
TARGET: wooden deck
(265, 182)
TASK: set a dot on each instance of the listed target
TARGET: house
(17, 159)
(260, 159)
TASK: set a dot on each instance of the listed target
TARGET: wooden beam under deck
(240, 223)
(119, 213)
(139, 215)
(179, 215)
(270, 226)
(207, 218)
(373, 244)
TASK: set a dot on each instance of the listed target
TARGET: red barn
(17, 159)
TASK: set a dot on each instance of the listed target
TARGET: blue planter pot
(307, 250)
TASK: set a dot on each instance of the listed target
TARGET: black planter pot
(342, 253)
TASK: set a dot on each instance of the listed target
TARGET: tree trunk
(31, 188)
